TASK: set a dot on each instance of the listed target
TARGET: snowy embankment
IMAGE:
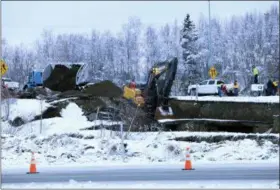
(27, 109)
(63, 142)
(259, 99)
(72, 119)
(266, 184)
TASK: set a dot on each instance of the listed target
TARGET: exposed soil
(62, 78)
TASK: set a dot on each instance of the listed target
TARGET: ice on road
(267, 184)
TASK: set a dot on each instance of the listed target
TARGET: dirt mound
(105, 89)
(62, 78)
(72, 93)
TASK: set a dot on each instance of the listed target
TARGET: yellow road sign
(4, 67)
(212, 72)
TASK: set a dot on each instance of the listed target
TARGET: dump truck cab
(34, 79)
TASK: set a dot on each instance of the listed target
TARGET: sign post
(122, 144)
(212, 72)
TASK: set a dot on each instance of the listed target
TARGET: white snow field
(62, 142)
(259, 99)
(266, 184)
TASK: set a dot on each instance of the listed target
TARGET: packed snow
(259, 99)
(265, 184)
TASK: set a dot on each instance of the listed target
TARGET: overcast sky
(23, 22)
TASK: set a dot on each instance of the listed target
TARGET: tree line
(236, 45)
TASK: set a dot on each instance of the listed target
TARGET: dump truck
(61, 76)
(34, 79)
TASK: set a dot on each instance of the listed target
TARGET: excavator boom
(159, 84)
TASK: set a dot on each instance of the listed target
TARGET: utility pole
(209, 40)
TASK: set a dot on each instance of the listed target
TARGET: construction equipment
(34, 79)
(155, 94)
(151, 96)
(84, 81)
(61, 76)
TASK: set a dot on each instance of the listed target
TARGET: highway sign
(4, 67)
(212, 72)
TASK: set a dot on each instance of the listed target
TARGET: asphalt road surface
(226, 172)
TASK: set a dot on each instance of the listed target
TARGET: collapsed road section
(223, 115)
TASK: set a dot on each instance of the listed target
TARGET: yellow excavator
(155, 93)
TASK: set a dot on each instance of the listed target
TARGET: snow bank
(26, 109)
(104, 147)
(72, 120)
(266, 184)
(260, 99)
(73, 112)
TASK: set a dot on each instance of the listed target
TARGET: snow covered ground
(27, 109)
(266, 184)
(72, 120)
(105, 148)
(62, 142)
(259, 99)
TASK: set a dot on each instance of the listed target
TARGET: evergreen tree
(189, 37)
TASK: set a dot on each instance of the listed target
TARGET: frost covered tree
(152, 48)
(110, 54)
(130, 36)
(189, 37)
(166, 42)
(237, 44)
(271, 42)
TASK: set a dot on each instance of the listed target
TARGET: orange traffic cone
(32, 169)
(188, 162)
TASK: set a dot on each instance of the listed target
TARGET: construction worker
(139, 100)
(269, 88)
(275, 86)
(220, 93)
(235, 88)
(132, 84)
(256, 74)
(278, 92)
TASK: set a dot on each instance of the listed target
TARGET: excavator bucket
(61, 76)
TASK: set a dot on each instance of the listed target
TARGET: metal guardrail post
(122, 139)
(196, 92)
